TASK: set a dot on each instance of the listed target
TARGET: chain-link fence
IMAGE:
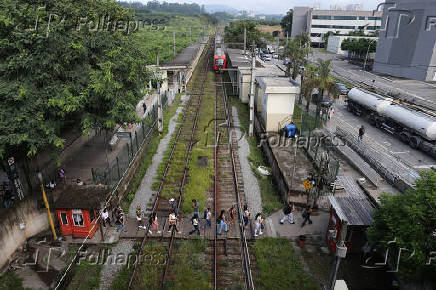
(112, 174)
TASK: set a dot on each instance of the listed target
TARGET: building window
(321, 26)
(344, 17)
(315, 34)
(64, 218)
(78, 219)
(373, 27)
(323, 17)
(361, 17)
(343, 27)
(374, 18)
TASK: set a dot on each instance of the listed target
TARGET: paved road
(421, 93)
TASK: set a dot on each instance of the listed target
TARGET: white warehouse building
(318, 22)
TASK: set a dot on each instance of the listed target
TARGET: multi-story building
(319, 22)
(407, 43)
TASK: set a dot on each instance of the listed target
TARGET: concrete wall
(244, 79)
(278, 107)
(11, 236)
(407, 48)
(299, 21)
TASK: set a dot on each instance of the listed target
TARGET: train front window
(219, 62)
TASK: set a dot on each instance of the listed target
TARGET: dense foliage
(410, 220)
(286, 22)
(234, 33)
(181, 8)
(359, 47)
(297, 51)
(64, 63)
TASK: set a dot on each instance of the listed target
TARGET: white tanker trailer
(413, 127)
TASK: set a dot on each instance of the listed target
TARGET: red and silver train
(219, 57)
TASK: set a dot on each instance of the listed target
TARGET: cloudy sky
(278, 6)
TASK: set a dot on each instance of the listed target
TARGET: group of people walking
(289, 210)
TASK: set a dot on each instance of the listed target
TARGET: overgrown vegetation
(86, 276)
(279, 266)
(149, 273)
(189, 268)
(10, 280)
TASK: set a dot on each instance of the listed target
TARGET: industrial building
(406, 45)
(318, 22)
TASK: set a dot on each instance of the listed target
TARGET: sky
(278, 6)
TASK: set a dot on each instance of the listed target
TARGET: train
(413, 127)
(219, 56)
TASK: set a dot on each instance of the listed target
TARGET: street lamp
(47, 206)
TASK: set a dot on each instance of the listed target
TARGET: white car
(276, 56)
(267, 57)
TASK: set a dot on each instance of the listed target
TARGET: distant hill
(212, 8)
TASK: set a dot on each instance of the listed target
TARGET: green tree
(286, 23)
(410, 220)
(324, 82)
(64, 73)
(297, 51)
(308, 85)
(234, 33)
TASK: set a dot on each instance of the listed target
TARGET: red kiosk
(77, 209)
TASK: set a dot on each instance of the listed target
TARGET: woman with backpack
(153, 225)
(221, 221)
(172, 222)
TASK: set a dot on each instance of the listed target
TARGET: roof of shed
(81, 197)
(357, 212)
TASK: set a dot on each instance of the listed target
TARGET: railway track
(185, 132)
(228, 254)
(231, 256)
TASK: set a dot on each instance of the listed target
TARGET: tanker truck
(413, 127)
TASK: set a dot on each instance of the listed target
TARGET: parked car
(342, 88)
(276, 56)
(267, 57)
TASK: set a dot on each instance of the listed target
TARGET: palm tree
(324, 81)
(296, 50)
(309, 84)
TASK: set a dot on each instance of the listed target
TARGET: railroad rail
(187, 114)
(228, 191)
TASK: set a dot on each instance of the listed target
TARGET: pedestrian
(232, 214)
(120, 222)
(258, 221)
(361, 133)
(153, 225)
(208, 217)
(306, 216)
(172, 222)
(144, 106)
(139, 215)
(247, 214)
(222, 223)
(194, 221)
(289, 214)
(62, 175)
(105, 217)
(196, 207)
(331, 113)
(173, 204)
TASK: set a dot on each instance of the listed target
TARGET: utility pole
(47, 206)
(157, 57)
(341, 252)
(245, 40)
(159, 110)
(253, 67)
(174, 41)
(287, 38)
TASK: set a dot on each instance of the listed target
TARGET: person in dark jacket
(361, 133)
(306, 215)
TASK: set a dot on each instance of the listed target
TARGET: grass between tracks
(189, 266)
(86, 276)
(279, 266)
(199, 178)
(10, 280)
(271, 201)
